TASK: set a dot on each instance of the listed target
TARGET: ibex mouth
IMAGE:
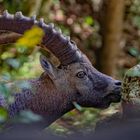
(115, 96)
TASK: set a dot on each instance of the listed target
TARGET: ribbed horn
(62, 47)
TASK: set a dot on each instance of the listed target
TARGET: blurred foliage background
(108, 31)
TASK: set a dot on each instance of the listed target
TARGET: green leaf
(136, 21)
(134, 51)
(89, 20)
(3, 115)
(134, 71)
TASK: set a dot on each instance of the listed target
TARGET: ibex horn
(62, 47)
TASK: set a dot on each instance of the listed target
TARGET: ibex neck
(44, 99)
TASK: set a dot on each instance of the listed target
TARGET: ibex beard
(74, 80)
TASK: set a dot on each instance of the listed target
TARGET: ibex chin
(74, 80)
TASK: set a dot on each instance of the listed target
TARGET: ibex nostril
(118, 83)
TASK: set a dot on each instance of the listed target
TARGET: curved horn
(62, 47)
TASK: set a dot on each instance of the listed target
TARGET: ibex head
(75, 76)
(83, 82)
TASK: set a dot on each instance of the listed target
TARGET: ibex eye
(81, 74)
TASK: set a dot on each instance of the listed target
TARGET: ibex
(74, 80)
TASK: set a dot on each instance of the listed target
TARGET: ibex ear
(48, 67)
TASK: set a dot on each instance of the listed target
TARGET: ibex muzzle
(74, 80)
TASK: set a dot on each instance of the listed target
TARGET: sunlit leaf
(31, 37)
(89, 20)
(6, 55)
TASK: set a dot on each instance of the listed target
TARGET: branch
(9, 38)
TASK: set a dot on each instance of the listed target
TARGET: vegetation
(109, 39)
